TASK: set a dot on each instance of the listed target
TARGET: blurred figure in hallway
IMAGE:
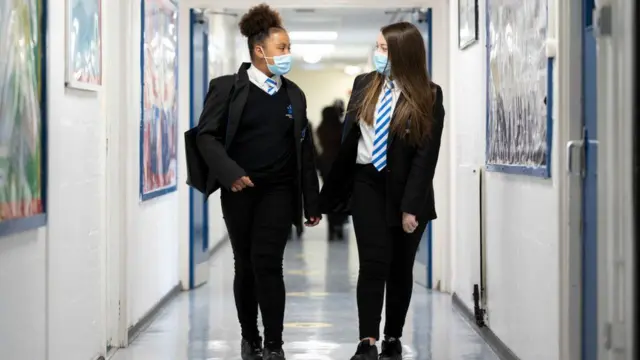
(329, 137)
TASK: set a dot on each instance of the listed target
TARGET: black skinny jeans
(386, 255)
(259, 222)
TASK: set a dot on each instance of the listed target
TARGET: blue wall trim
(430, 224)
(14, 226)
(167, 190)
(541, 171)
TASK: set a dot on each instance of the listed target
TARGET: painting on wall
(467, 23)
(84, 44)
(22, 115)
(519, 88)
(159, 118)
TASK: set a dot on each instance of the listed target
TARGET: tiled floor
(321, 321)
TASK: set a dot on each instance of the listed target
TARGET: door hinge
(603, 16)
(614, 336)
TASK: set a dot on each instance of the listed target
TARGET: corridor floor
(321, 319)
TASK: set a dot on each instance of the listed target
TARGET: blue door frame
(589, 187)
(198, 82)
(424, 255)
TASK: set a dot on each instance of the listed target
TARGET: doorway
(198, 207)
(423, 267)
(589, 314)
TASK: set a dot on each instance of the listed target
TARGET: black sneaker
(391, 349)
(366, 351)
(270, 354)
(251, 350)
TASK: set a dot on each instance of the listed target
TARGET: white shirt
(365, 145)
(260, 79)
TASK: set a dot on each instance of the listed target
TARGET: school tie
(271, 86)
(383, 119)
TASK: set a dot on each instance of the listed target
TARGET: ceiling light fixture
(312, 58)
(313, 35)
(352, 70)
(303, 49)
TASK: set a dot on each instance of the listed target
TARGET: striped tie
(383, 119)
(271, 86)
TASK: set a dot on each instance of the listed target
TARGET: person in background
(253, 138)
(329, 136)
(384, 175)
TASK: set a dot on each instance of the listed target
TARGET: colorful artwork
(21, 115)
(159, 123)
(84, 44)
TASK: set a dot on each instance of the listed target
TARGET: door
(589, 187)
(198, 208)
(422, 270)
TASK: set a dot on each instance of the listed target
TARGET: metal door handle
(570, 146)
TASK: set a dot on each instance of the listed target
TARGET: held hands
(409, 223)
(241, 183)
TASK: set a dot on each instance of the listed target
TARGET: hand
(241, 183)
(313, 221)
(409, 223)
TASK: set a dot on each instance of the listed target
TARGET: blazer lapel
(237, 102)
(295, 97)
(393, 118)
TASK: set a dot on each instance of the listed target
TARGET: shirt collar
(259, 77)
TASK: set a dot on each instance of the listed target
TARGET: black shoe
(366, 351)
(391, 349)
(270, 354)
(251, 350)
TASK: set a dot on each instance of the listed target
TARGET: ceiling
(356, 29)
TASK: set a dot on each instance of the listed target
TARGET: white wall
(520, 223)
(322, 87)
(52, 278)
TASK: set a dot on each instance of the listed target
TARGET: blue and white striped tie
(383, 119)
(271, 86)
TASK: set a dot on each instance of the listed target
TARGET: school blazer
(409, 171)
(221, 115)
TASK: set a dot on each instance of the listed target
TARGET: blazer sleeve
(310, 184)
(423, 165)
(211, 133)
(351, 112)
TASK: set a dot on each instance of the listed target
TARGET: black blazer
(409, 169)
(225, 101)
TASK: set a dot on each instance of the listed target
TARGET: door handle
(571, 145)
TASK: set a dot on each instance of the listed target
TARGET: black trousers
(259, 222)
(386, 255)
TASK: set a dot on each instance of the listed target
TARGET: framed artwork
(159, 115)
(467, 23)
(519, 88)
(84, 44)
(22, 115)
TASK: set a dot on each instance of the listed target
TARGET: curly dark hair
(258, 23)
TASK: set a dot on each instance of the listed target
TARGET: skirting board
(148, 318)
(500, 348)
(216, 246)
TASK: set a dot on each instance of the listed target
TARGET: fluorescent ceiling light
(312, 58)
(313, 35)
(321, 49)
(352, 70)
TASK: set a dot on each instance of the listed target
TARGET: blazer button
(388, 170)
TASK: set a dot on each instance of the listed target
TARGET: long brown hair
(408, 61)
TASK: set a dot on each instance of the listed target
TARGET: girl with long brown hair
(383, 176)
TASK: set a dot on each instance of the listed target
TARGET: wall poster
(84, 44)
(22, 115)
(519, 88)
(159, 120)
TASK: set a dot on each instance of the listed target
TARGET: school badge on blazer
(289, 112)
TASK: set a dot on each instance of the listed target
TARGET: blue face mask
(281, 64)
(381, 62)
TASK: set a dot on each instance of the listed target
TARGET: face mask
(281, 64)
(381, 62)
